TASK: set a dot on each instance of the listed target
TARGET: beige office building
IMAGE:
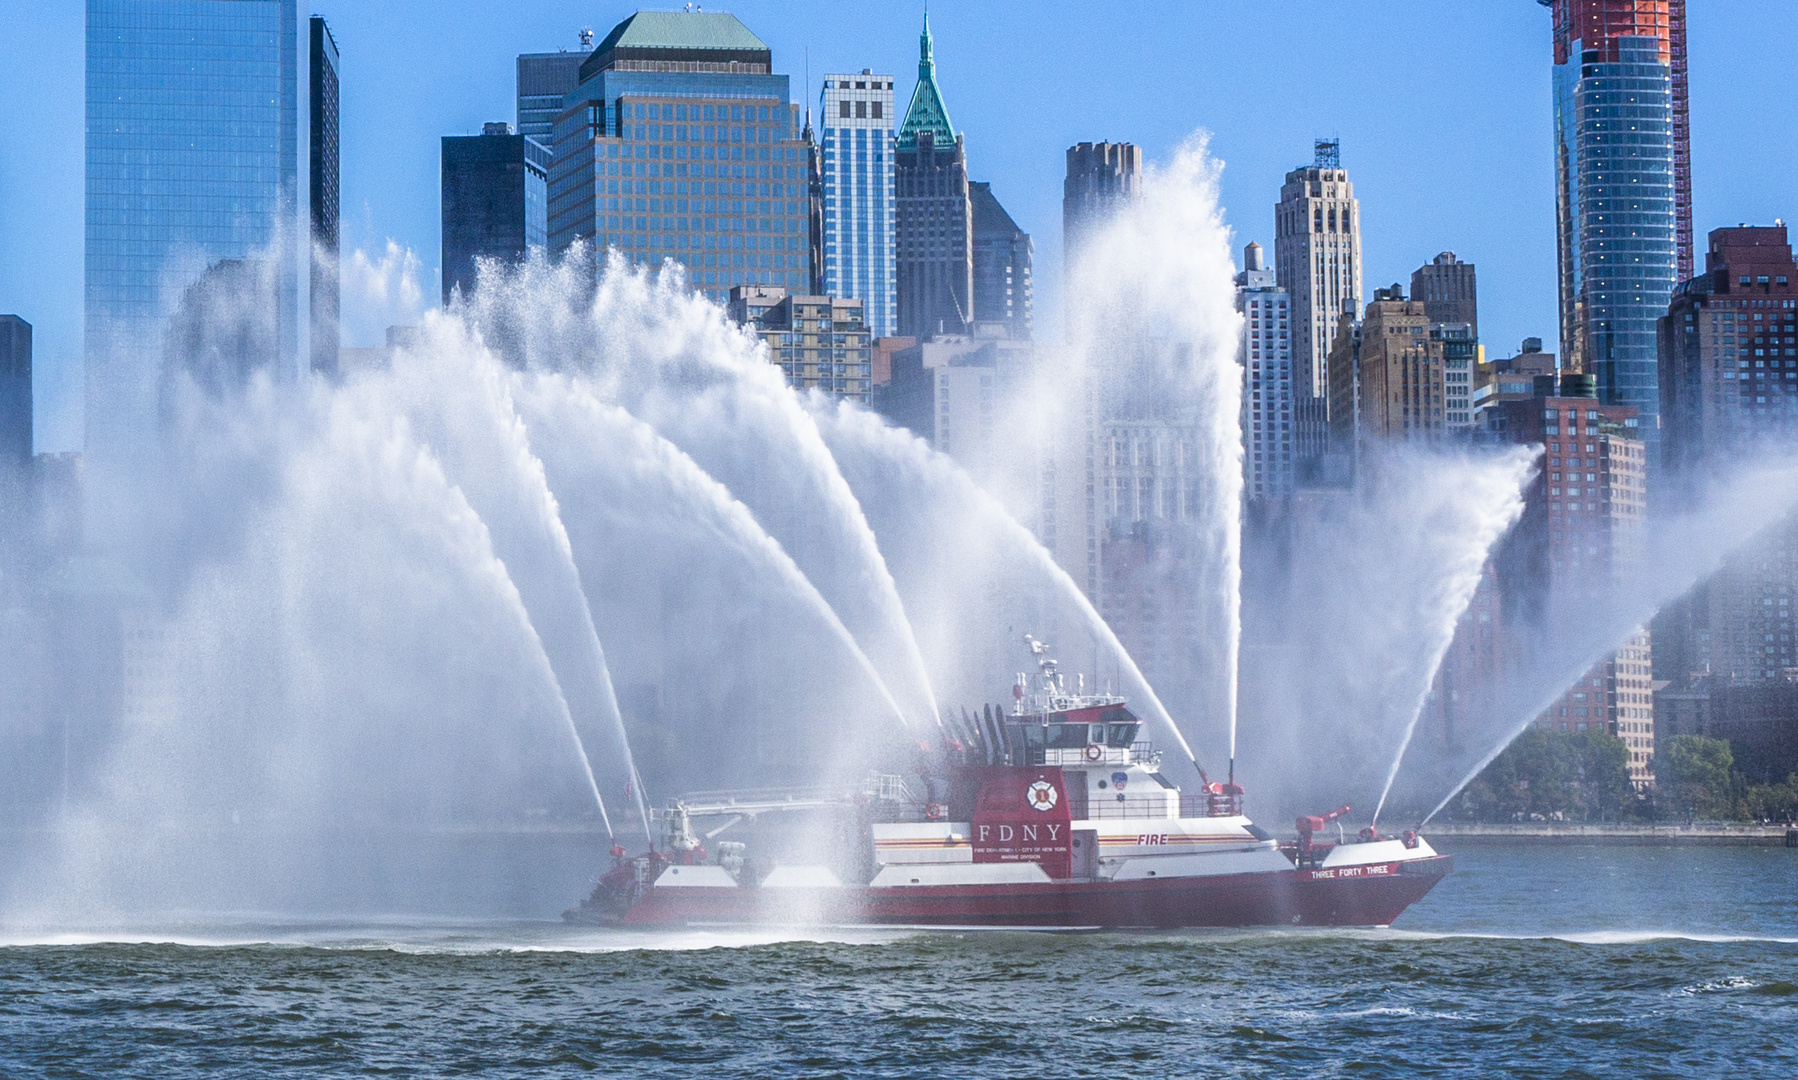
(1317, 257)
(1399, 370)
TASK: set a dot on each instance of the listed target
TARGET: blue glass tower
(856, 166)
(200, 132)
(1617, 207)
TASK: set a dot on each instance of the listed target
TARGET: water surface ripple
(1464, 987)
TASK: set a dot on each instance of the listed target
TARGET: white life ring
(1094, 751)
(1041, 796)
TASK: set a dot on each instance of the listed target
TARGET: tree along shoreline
(1549, 779)
(1572, 833)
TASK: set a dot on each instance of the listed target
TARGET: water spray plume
(900, 463)
(585, 434)
(1151, 319)
(1683, 547)
(1467, 503)
(459, 400)
(652, 346)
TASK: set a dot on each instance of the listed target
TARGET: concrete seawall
(1569, 832)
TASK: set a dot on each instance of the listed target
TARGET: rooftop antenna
(586, 37)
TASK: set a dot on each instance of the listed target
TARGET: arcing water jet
(672, 360)
(1682, 549)
(586, 438)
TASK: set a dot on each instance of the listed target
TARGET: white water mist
(1151, 321)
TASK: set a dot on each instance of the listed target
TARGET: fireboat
(1052, 816)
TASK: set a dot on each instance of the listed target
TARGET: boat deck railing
(1095, 756)
(1152, 805)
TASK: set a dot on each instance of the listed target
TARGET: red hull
(1355, 896)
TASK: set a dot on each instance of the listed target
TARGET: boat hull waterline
(1375, 896)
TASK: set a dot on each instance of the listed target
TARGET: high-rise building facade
(1512, 378)
(951, 391)
(681, 145)
(1268, 453)
(1317, 256)
(543, 80)
(1399, 371)
(820, 342)
(1448, 290)
(325, 201)
(1460, 350)
(1581, 532)
(201, 124)
(15, 392)
(495, 202)
(857, 235)
(1623, 197)
(935, 214)
(1100, 176)
(1003, 253)
(1343, 403)
(1728, 349)
(1729, 378)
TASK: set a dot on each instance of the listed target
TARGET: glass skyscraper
(1618, 200)
(199, 132)
(856, 163)
(544, 79)
(681, 145)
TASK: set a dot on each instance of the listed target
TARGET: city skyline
(1408, 189)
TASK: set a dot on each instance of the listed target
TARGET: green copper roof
(681, 30)
(927, 111)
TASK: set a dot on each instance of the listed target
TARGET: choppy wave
(544, 1001)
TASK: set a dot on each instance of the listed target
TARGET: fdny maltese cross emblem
(1041, 795)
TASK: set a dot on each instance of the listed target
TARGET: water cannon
(1221, 799)
(1314, 823)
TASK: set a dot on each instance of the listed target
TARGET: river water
(1528, 961)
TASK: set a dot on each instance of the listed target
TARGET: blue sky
(1442, 107)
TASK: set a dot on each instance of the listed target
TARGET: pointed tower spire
(927, 111)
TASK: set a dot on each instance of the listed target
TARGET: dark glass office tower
(544, 79)
(495, 202)
(1003, 289)
(327, 298)
(15, 392)
(1623, 199)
